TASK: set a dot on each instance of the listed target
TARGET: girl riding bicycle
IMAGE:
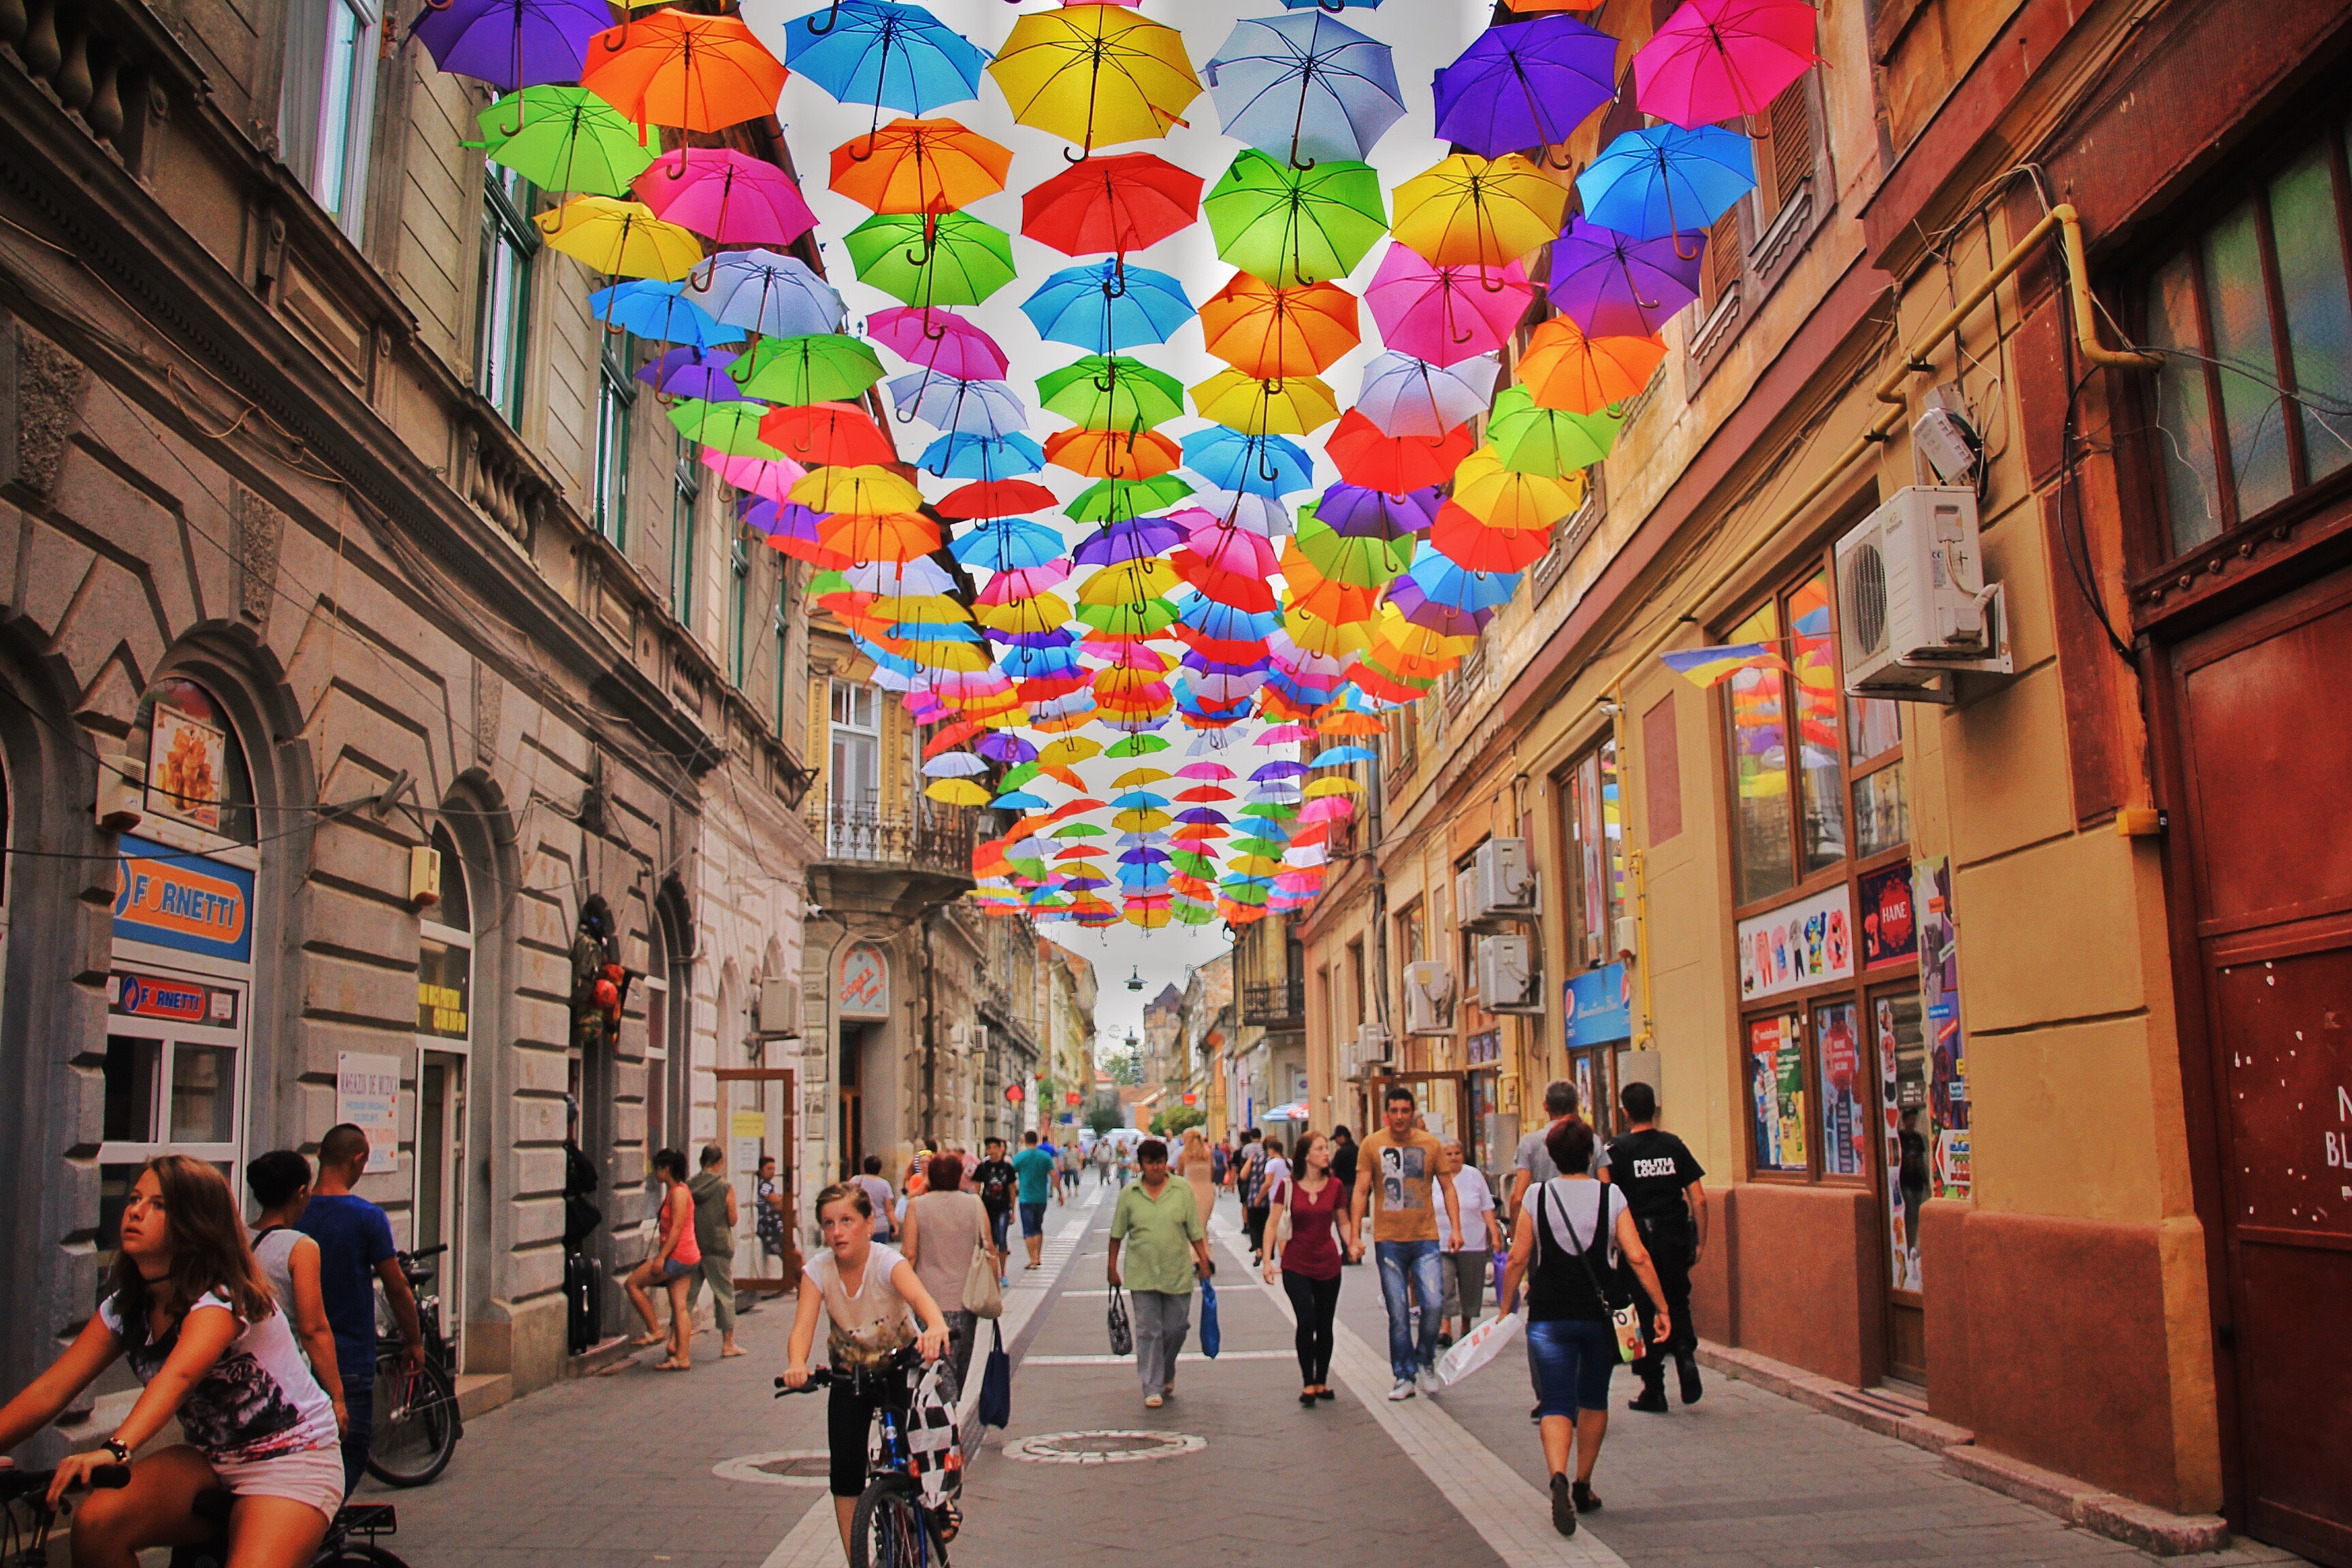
(871, 1295)
(194, 1312)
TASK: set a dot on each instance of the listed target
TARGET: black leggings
(1314, 1302)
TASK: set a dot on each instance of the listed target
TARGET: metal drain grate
(1103, 1447)
(779, 1467)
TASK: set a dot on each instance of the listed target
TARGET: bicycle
(24, 1541)
(891, 1528)
(417, 1423)
(338, 1549)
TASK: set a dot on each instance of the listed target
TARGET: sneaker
(1403, 1390)
(1427, 1382)
(1585, 1501)
(1688, 1367)
(1653, 1399)
(1563, 1506)
(1536, 1415)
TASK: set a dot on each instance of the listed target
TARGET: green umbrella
(566, 139)
(1278, 811)
(821, 367)
(1141, 618)
(1077, 830)
(1190, 913)
(948, 258)
(1250, 893)
(732, 427)
(1288, 226)
(1120, 501)
(1112, 391)
(1192, 865)
(1356, 561)
(1135, 746)
(1551, 442)
(1015, 777)
(1266, 846)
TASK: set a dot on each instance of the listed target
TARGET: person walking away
(1397, 1179)
(715, 1218)
(279, 1182)
(944, 1227)
(1249, 1185)
(355, 1254)
(1343, 1168)
(878, 1193)
(1032, 1171)
(188, 1305)
(1221, 1161)
(1531, 1163)
(1469, 1250)
(1570, 1238)
(1321, 1232)
(872, 1301)
(768, 1194)
(997, 1183)
(1167, 1250)
(1199, 1172)
(1665, 1189)
(1276, 1178)
(676, 1254)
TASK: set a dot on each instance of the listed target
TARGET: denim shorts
(1573, 1360)
(672, 1268)
(1033, 1219)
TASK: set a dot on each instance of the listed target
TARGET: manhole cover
(1103, 1447)
(785, 1468)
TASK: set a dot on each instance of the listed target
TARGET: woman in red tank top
(1305, 1248)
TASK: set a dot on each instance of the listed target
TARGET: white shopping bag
(1476, 1349)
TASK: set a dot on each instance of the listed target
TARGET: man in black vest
(1664, 1187)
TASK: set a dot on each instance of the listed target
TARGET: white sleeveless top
(869, 1321)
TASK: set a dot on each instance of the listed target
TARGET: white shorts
(314, 1476)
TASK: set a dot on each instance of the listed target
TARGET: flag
(1709, 667)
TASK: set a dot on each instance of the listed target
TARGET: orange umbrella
(1113, 454)
(919, 166)
(1566, 370)
(884, 536)
(1271, 333)
(675, 68)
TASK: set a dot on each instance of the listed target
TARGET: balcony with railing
(1274, 1004)
(924, 837)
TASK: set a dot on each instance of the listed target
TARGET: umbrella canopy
(730, 427)
(1292, 405)
(768, 292)
(1008, 543)
(1260, 464)
(1526, 84)
(1481, 212)
(1393, 464)
(871, 490)
(1108, 307)
(1613, 285)
(730, 196)
(1562, 368)
(1115, 499)
(622, 239)
(1295, 226)
(675, 68)
(826, 434)
(1116, 203)
(691, 373)
(1445, 314)
(947, 258)
(989, 408)
(1113, 454)
(768, 478)
(976, 454)
(1533, 440)
(659, 312)
(513, 44)
(994, 497)
(563, 138)
(1406, 397)
(1095, 74)
(918, 166)
(1500, 497)
(939, 341)
(1306, 87)
(1719, 60)
(819, 367)
(1263, 330)
(1653, 182)
(884, 54)
(1358, 513)
(1112, 393)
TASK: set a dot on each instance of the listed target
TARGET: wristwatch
(114, 1446)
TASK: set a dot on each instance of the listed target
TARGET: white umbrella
(1406, 397)
(768, 292)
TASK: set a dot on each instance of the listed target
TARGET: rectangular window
(686, 497)
(2255, 401)
(1776, 1076)
(1760, 768)
(502, 310)
(615, 398)
(739, 597)
(1845, 1120)
(1787, 154)
(1596, 838)
(782, 634)
(167, 1089)
(326, 106)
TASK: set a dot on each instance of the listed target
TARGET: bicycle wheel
(890, 1531)
(355, 1554)
(415, 1424)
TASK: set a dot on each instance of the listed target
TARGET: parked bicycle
(350, 1542)
(417, 1424)
(27, 1518)
(891, 1528)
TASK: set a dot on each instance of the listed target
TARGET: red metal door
(2266, 740)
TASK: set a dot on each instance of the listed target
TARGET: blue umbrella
(959, 407)
(768, 292)
(1305, 87)
(1524, 84)
(1007, 544)
(656, 310)
(1222, 623)
(1342, 756)
(886, 54)
(970, 457)
(1653, 182)
(1442, 582)
(1105, 307)
(1261, 465)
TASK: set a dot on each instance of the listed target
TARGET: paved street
(621, 1468)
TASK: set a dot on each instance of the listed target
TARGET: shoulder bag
(996, 1384)
(1624, 1316)
(982, 1296)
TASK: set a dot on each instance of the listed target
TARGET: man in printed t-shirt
(1663, 1187)
(1396, 1175)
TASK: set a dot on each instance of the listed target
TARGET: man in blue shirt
(1035, 1169)
(355, 1250)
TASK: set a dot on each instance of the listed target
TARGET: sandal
(738, 1350)
(674, 1365)
(642, 1340)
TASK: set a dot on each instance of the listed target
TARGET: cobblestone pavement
(619, 1470)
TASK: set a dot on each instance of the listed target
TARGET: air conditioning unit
(1428, 998)
(1502, 883)
(967, 1040)
(1370, 1049)
(1466, 894)
(1912, 601)
(1628, 936)
(1509, 980)
(780, 1006)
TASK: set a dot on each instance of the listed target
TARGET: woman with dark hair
(1572, 1233)
(944, 1227)
(192, 1310)
(1307, 1252)
(676, 1258)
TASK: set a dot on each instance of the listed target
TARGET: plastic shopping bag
(1211, 1339)
(1476, 1348)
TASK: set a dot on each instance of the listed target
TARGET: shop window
(1596, 840)
(685, 498)
(1845, 1091)
(615, 402)
(445, 953)
(327, 102)
(2253, 402)
(1776, 1072)
(197, 772)
(502, 300)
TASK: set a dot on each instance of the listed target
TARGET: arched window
(197, 772)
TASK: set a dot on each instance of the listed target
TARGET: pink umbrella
(771, 479)
(1445, 314)
(730, 196)
(1012, 587)
(1283, 735)
(1718, 59)
(938, 340)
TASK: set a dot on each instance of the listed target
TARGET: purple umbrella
(1354, 513)
(1003, 748)
(787, 519)
(1279, 770)
(1138, 539)
(1442, 618)
(1614, 286)
(513, 44)
(659, 368)
(1526, 84)
(688, 372)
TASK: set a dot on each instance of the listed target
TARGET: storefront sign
(1809, 943)
(187, 769)
(367, 1095)
(153, 996)
(444, 978)
(1599, 1010)
(191, 902)
(1940, 995)
(862, 988)
(1890, 926)
(1075, 1098)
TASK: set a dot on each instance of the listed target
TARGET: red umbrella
(819, 434)
(1394, 464)
(995, 497)
(1462, 539)
(1111, 205)
(938, 340)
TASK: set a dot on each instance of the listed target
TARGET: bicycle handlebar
(906, 1359)
(16, 1483)
(818, 1377)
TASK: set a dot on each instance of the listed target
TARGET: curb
(479, 1393)
(2135, 1524)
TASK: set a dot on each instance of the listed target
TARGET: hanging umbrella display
(939, 341)
(1534, 440)
(1255, 462)
(1526, 84)
(1357, 513)
(1008, 543)
(1263, 330)
(1652, 183)
(768, 478)
(1718, 59)
(659, 311)
(960, 407)
(1305, 87)
(1445, 314)
(1096, 74)
(1118, 500)
(1562, 368)
(1293, 225)
(1482, 212)
(976, 454)
(1406, 397)
(1112, 204)
(675, 68)
(947, 258)
(726, 196)
(1108, 307)
(1393, 464)
(1292, 405)
(1499, 496)
(993, 498)
(819, 367)
(563, 138)
(768, 292)
(1112, 393)
(621, 239)
(886, 54)
(513, 44)
(691, 373)
(732, 427)
(919, 166)
(1613, 285)
(1113, 454)
(826, 433)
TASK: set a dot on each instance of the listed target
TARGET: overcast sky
(1164, 957)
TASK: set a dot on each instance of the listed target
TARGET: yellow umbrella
(1499, 497)
(928, 608)
(1096, 74)
(866, 490)
(1075, 749)
(1044, 613)
(1335, 786)
(1139, 821)
(1137, 777)
(1128, 582)
(1468, 211)
(957, 792)
(1294, 406)
(1321, 635)
(962, 658)
(622, 239)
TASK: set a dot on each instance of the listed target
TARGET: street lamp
(1135, 978)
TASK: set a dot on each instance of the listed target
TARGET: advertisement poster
(1939, 995)
(1599, 1010)
(367, 1095)
(1777, 1084)
(1890, 925)
(862, 989)
(1896, 1021)
(187, 769)
(1808, 942)
(172, 898)
(1839, 1052)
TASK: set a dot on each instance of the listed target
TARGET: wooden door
(2265, 737)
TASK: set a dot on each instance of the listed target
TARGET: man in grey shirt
(1533, 1163)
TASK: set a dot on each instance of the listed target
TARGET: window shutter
(1789, 125)
(1725, 260)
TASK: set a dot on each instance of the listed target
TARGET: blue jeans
(1418, 1262)
(1033, 1219)
(1572, 1363)
(359, 1403)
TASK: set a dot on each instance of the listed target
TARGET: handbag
(982, 1296)
(1625, 1318)
(1122, 1333)
(996, 1384)
(1211, 1339)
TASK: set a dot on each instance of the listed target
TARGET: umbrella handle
(832, 20)
(522, 108)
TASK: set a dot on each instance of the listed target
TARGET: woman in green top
(1167, 1249)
